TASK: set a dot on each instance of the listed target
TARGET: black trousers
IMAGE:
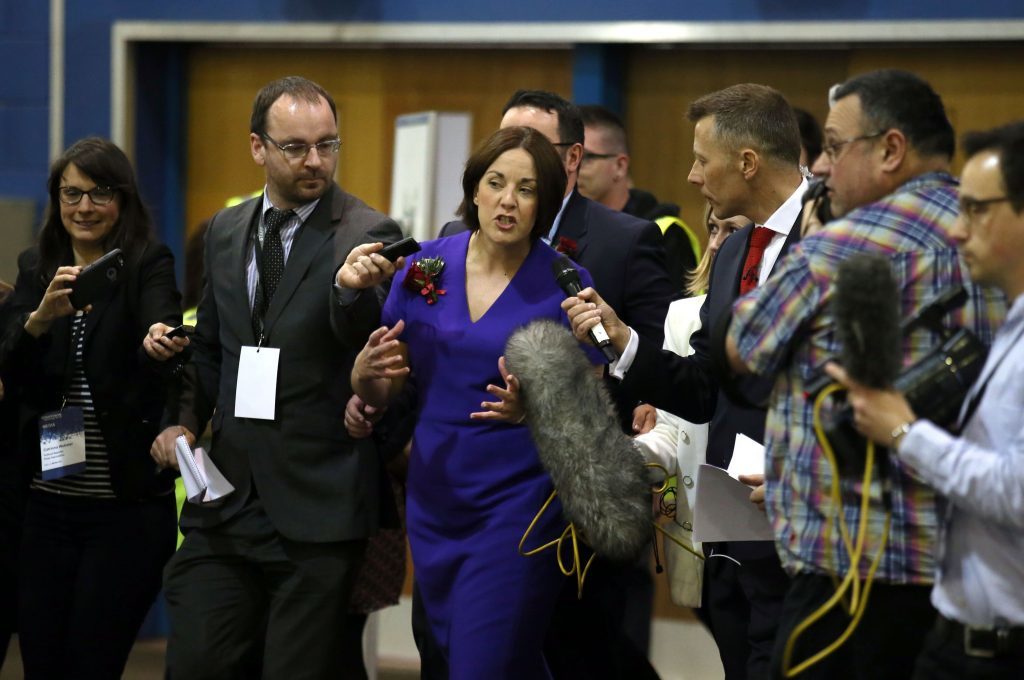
(883, 646)
(90, 570)
(13, 494)
(741, 605)
(943, 658)
(244, 602)
(587, 638)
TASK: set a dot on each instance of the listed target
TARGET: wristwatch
(898, 432)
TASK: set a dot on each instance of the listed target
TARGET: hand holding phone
(95, 279)
(407, 246)
(181, 331)
(362, 270)
(163, 342)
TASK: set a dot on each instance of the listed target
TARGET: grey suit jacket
(316, 483)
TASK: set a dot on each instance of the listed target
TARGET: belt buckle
(978, 652)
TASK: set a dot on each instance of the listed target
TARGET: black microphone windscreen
(866, 306)
(566, 275)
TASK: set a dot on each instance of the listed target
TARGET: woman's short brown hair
(547, 165)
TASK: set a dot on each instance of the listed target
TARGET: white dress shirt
(781, 222)
(981, 548)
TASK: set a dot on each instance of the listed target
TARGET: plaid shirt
(785, 327)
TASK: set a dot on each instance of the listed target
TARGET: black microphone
(866, 306)
(569, 281)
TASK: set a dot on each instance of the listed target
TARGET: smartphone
(407, 246)
(96, 278)
(180, 331)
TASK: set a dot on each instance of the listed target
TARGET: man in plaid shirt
(888, 146)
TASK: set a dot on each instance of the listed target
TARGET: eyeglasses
(295, 152)
(832, 150)
(970, 208)
(98, 195)
(564, 143)
(591, 156)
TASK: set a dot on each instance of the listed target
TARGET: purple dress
(474, 486)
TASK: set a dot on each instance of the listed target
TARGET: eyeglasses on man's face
(294, 152)
(833, 150)
(971, 208)
(98, 195)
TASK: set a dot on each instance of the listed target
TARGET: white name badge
(256, 390)
(62, 442)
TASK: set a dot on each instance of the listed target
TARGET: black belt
(985, 642)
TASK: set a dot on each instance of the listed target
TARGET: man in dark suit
(625, 257)
(261, 582)
(748, 170)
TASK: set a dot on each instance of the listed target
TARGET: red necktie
(759, 240)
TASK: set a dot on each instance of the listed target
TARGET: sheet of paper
(723, 511)
(217, 486)
(256, 390)
(204, 483)
(747, 457)
(191, 476)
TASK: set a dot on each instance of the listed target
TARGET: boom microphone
(569, 281)
(866, 306)
(598, 471)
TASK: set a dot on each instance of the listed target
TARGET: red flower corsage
(566, 246)
(423, 277)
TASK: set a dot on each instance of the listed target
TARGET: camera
(934, 386)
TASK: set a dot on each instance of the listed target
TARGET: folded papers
(204, 483)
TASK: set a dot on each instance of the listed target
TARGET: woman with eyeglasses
(97, 531)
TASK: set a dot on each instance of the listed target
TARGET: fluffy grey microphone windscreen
(866, 306)
(597, 470)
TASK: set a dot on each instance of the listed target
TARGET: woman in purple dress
(475, 480)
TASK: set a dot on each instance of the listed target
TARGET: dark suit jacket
(315, 482)
(687, 386)
(128, 389)
(626, 260)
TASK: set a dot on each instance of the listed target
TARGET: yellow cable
(569, 534)
(858, 600)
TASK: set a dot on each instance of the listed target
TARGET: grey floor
(147, 663)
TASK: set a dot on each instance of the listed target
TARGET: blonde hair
(698, 277)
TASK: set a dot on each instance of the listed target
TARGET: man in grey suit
(261, 582)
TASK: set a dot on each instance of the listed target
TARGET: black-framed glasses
(565, 144)
(970, 208)
(832, 150)
(98, 195)
(591, 156)
(298, 151)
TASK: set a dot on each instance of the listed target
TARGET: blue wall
(24, 98)
(24, 51)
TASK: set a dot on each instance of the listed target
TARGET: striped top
(786, 328)
(95, 481)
